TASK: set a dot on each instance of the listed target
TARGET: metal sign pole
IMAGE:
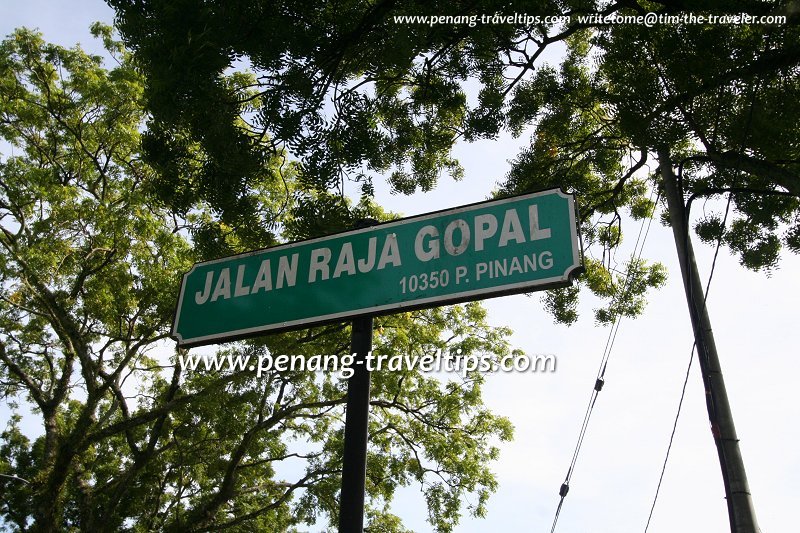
(354, 469)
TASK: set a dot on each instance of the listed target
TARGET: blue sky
(754, 320)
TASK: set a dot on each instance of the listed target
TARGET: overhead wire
(612, 336)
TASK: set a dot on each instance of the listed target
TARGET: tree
(131, 440)
(717, 101)
(355, 94)
(723, 127)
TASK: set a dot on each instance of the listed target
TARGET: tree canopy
(133, 439)
(353, 94)
(253, 119)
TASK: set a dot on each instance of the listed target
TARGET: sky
(612, 488)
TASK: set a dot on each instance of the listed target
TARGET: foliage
(354, 95)
(717, 101)
(130, 440)
(730, 119)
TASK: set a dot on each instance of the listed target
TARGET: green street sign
(517, 244)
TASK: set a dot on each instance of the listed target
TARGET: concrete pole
(737, 491)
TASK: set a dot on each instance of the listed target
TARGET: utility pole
(737, 491)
